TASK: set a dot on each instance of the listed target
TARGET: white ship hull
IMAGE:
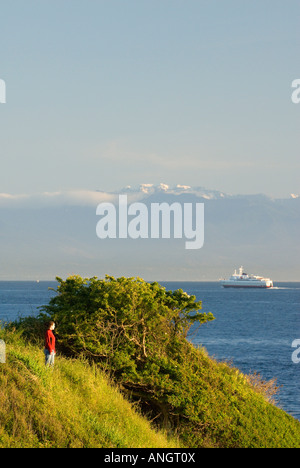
(243, 280)
(244, 284)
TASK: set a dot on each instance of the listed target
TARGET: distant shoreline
(277, 284)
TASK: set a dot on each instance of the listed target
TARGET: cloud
(184, 157)
(75, 197)
(69, 198)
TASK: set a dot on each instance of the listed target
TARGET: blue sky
(107, 93)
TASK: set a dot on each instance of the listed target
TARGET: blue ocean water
(254, 328)
(22, 298)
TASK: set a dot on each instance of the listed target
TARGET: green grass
(71, 406)
(75, 405)
(235, 410)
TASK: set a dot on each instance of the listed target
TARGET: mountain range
(49, 234)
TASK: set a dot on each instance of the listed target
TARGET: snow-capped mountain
(151, 189)
(51, 234)
(135, 193)
(201, 192)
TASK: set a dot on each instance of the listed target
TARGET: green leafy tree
(134, 329)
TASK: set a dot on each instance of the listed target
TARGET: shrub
(135, 329)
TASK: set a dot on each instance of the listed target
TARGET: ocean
(254, 328)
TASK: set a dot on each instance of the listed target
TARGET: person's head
(51, 325)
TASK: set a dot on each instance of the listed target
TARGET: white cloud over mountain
(54, 233)
(94, 197)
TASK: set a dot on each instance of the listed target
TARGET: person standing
(50, 345)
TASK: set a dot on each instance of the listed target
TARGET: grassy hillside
(73, 405)
(236, 410)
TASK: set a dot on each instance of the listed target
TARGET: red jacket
(50, 341)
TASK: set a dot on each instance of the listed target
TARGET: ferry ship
(243, 280)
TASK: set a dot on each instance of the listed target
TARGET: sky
(102, 94)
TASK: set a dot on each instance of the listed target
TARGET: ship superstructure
(243, 280)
